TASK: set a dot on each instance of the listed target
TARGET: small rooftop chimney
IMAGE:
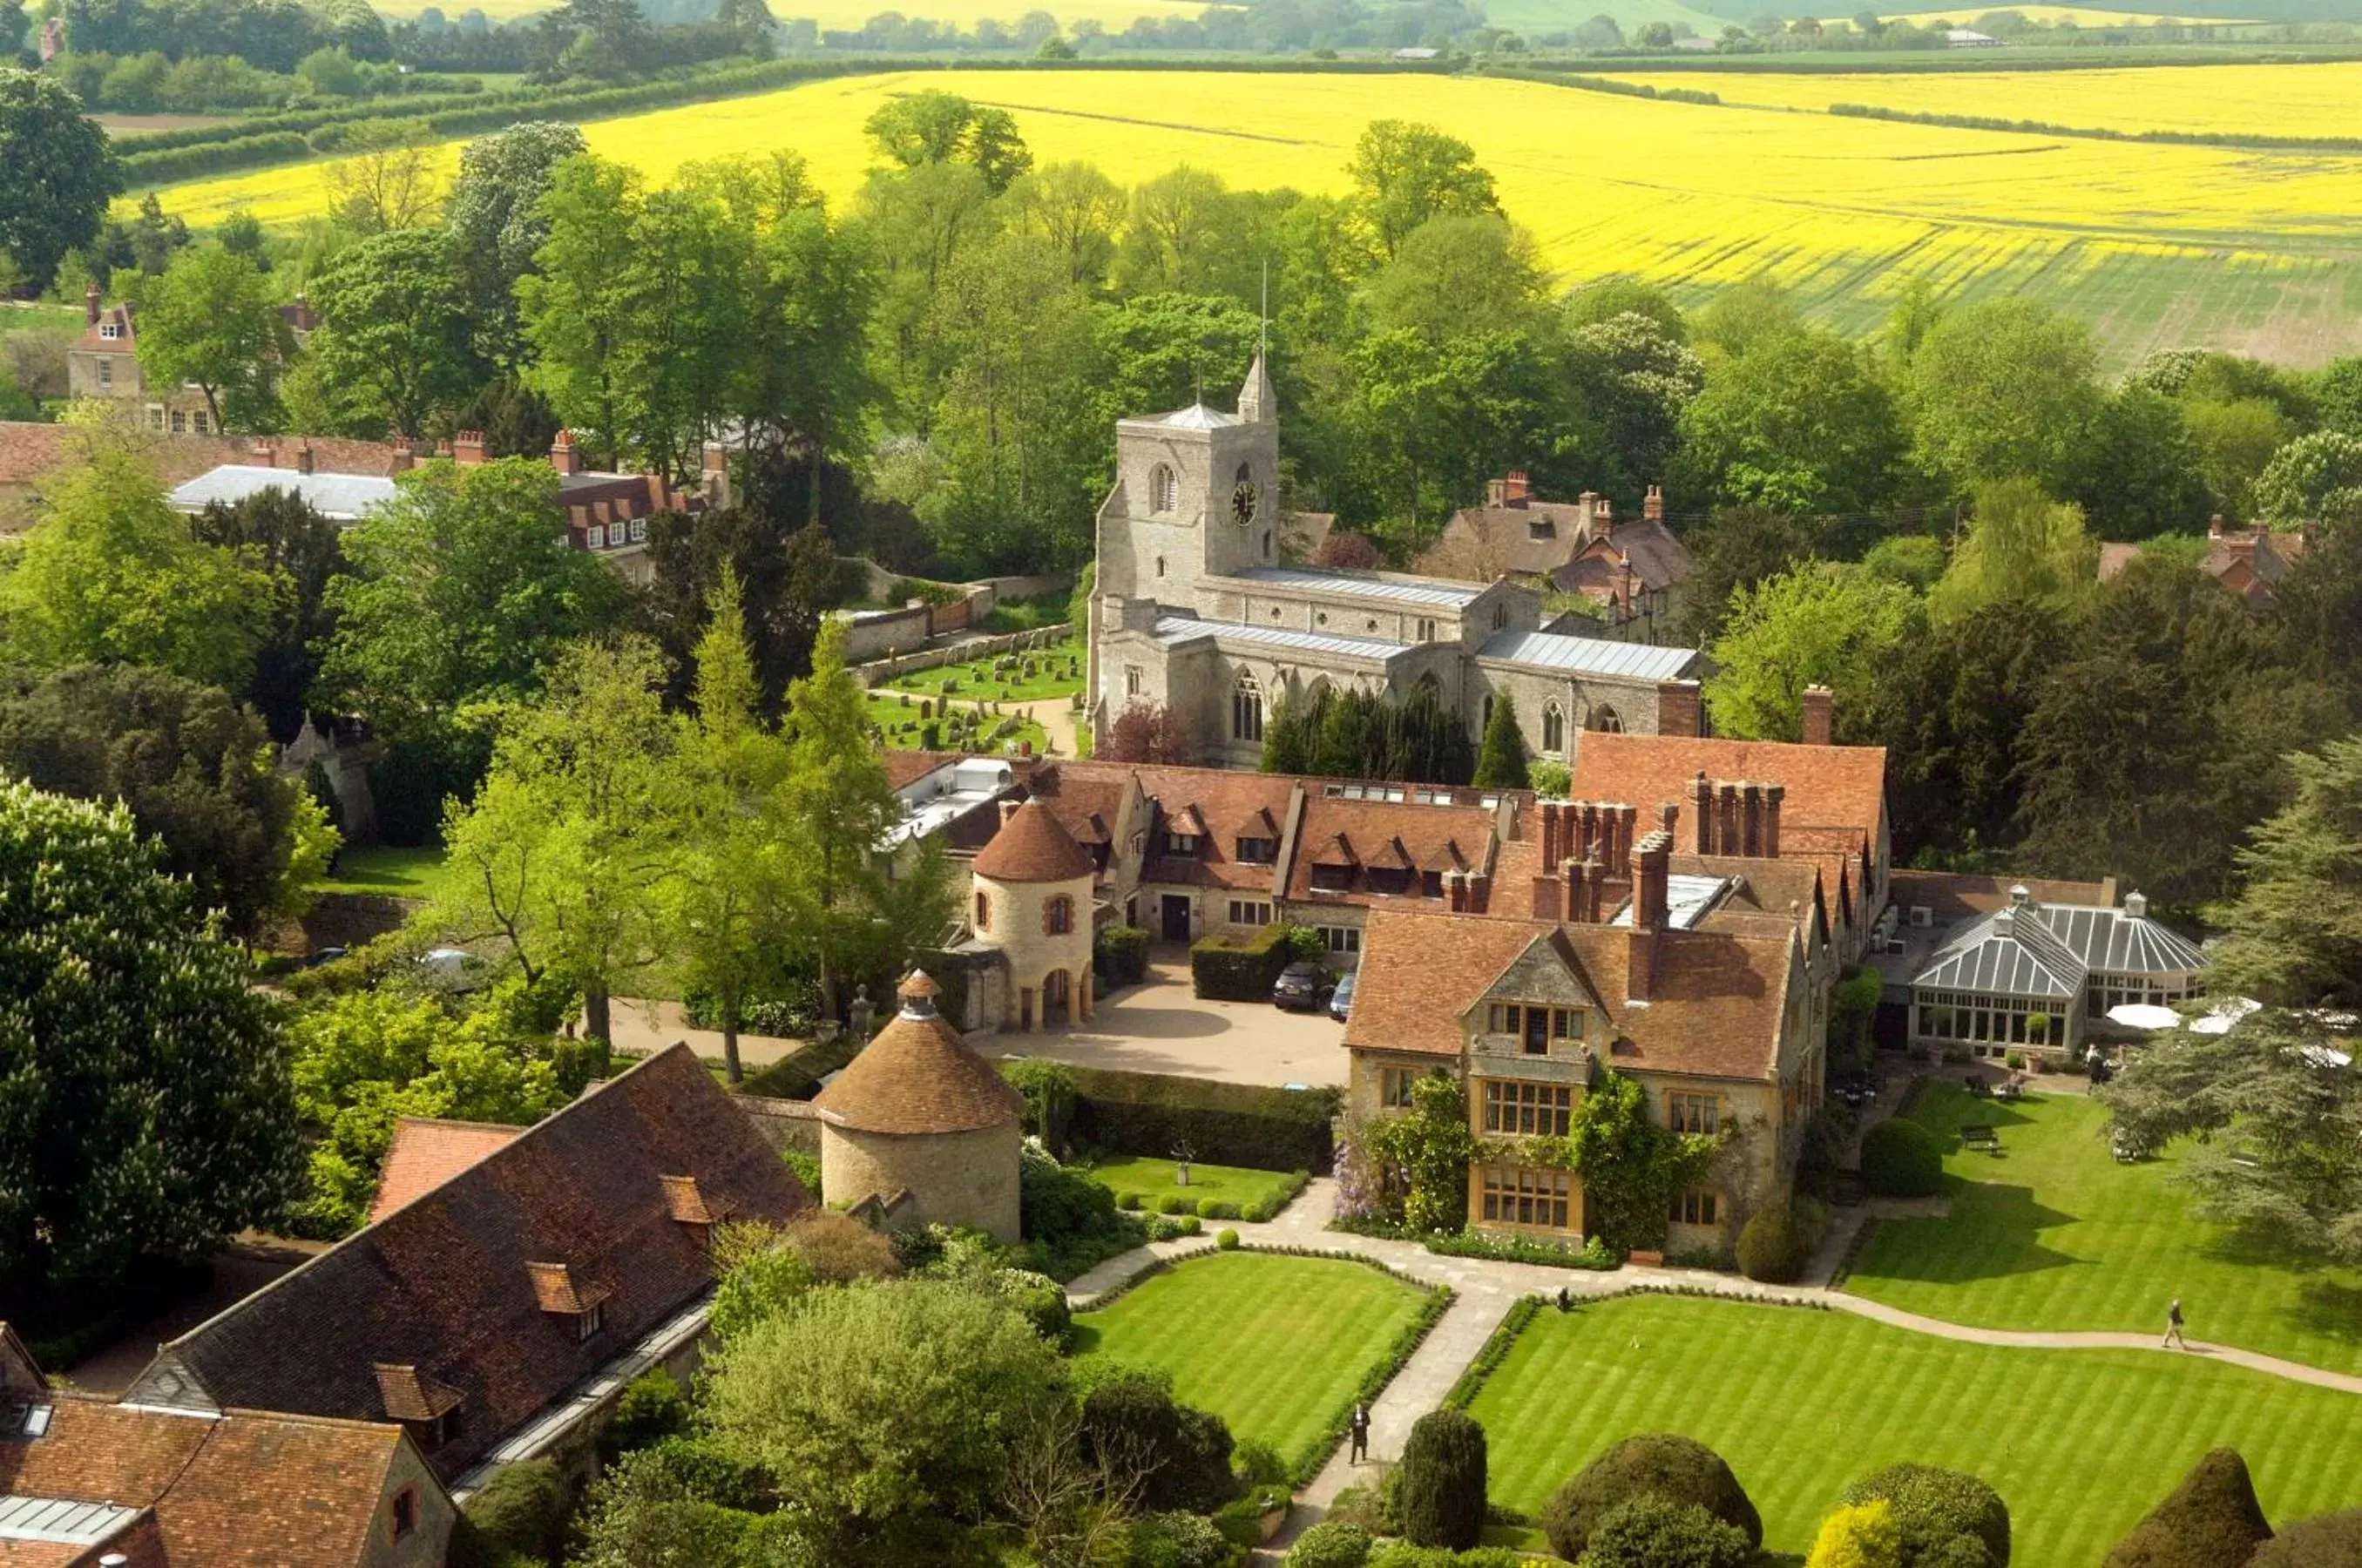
(1650, 859)
(1603, 520)
(1653, 507)
(1772, 795)
(467, 447)
(1514, 490)
(1820, 715)
(2136, 905)
(1702, 812)
(90, 304)
(1680, 711)
(563, 457)
(2018, 896)
(305, 458)
(2213, 523)
(918, 993)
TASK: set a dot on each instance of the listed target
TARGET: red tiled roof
(410, 1395)
(1421, 974)
(426, 1151)
(1828, 786)
(1384, 835)
(1032, 845)
(918, 1077)
(904, 769)
(440, 1284)
(28, 451)
(1953, 895)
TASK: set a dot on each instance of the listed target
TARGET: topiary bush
(1900, 1159)
(1653, 1463)
(1863, 1537)
(519, 1510)
(1933, 1506)
(1330, 1545)
(2210, 1520)
(1225, 1240)
(1657, 1531)
(1443, 1472)
(1774, 1248)
(2331, 1541)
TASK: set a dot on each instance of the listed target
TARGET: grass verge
(390, 872)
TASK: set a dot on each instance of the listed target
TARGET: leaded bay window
(1527, 1111)
(1513, 1195)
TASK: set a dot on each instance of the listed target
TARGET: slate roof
(1506, 534)
(1646, 550)
(918, 1077)
(243, 1490)
(1588, 655)
(440, 1286)
(1174, 631)
(340, 497)
(426, 1151)
(1393, 586)
(1032, 845)
(1959, 895)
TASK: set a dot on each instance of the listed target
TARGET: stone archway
(1057, 1000)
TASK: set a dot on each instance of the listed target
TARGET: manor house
(1197, 610)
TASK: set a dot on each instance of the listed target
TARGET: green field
(1273, 1345)
(397, 873)
(2055, 1234)
(2080, 1444)
(1153, 1181)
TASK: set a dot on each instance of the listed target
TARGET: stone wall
(878, 671)
(785, 1124)
(427, 1544)
(957, 1178)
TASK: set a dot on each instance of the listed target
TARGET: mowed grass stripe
(2056, 1234)
(2080, 1444)
(1273, 1344)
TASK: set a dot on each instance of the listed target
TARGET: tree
(1131, 1421)
(1405, 173)
(193, 768)
(728, 885)
(1637, 379)
(1797, 424)
(571, 309)
(497, 223)
(392, 351)
(2002, 389)
(2232, 440)
(1738, 547)
(942, 127)
(1501, 762)
(385, 180)
(1604, 300)
(209, 320)
(2021, 548)
(2313, 479)
(886, 1412)
(1176, 231)
(1076, 209)
(2210, 1518)
(1442, 1479)
(58, 171)
(109, 573)
(1652, 1464)
(1150, 732)
(1165, 351)
(1657, 1531)
(2296, 927)
(1457, 275)
(2139, 472)
(278, 535)
(123, 1144)
(2338, 390)
(1934, 1510)
(1817, 626)
(1857, 1536)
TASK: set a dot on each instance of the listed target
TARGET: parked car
(319, 955)
(454, 969)
(1341, 1000)
(1303, 986)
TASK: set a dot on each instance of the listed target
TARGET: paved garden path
(1486, 1289)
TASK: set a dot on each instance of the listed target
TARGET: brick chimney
(1772, 793)
(265, 453)
(2213, 523)
(1820, 715)
(714, 476)
(1679, 710)
(1603, 520)
(90, 304)
(399, 463)
(1548, 829)
(467, 447)
(1650, 859)
(1750, 818)
(1653, 507)
(1727, 837)
(1514, 488)
(303, 458)
(563, 457)
(1702, 812)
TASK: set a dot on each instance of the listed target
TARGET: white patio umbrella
(2144, 1015)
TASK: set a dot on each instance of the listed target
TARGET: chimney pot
(305, 458)
(1702, 804)
(90, 304)
(563, 455)
(1652, 508)
(1750, 819)
(468, 445)
(1819, 716)
(2213, 523)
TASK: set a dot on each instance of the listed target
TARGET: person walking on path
(1359, 1428)
(2173, 1324)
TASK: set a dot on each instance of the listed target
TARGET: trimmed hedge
(1931, 1506)
(2210, 1520)
(1240, 966)
(1653, 1531)
(1900, 1159)
(1223, 1125)
(1121, 956)
(1330, 1546)
(1778, 1245)
(1652, 1464)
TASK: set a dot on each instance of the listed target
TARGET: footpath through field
(1486, 1289)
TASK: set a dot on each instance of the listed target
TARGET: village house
(29, 452)
(1630, 570)
(2249, 562)
(103, 362)
(90, 1482)
(497, 1315)
(1197, 610)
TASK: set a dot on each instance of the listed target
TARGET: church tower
(1196, 496)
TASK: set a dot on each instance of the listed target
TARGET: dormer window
(577, 1303)
(1258, 851)
(590, 1321)
(1180, 844)
(111, 331)
(1542, 529)
(429, 1407)
(691, 1210)
(1332, 878)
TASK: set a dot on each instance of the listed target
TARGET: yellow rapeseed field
(2081, 16)
(1113, 15)
(2149, 242)
(2303, 100)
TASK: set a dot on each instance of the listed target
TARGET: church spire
(1257, 401)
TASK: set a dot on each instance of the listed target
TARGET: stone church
(1196, 609)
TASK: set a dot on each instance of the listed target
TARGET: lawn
(905, 730)
(1057, 672)
(2055, 1234)
(1153, 1181)
(2080, 1444)
(1273, 1345)
(398, 873)
(2143, 240)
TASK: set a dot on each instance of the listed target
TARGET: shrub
(1258, 1464)
(1653, 1463)
(2210, 1520)
(1931, 1506)
(1240, 965)
(1217, 1208)
(1657, 1531)
(1188, 1225)
(1040, 1297)
(1225, 1240)
(1172, 1203)
(1178, 1540)
(1443, 1472)
(1550, 780)
(1070, 1222)
(1229, 1124)
(650, 1408)
(807, 1169)
(1403, 1554)
(1049, 1091)
(520, 1510)
(1330, 1545)
(1128, 1201)
(1779, 1243)
(1130, 1414)
(1857, 1537)
(1899, 1159)
(2332, 1540)
(1121, 955)
(839, 1250)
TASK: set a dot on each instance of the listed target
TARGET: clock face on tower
(1242, 503)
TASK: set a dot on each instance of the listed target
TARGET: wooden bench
(1977, 1135)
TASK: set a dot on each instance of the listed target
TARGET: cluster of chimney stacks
(1466, 892)
(1738, 819)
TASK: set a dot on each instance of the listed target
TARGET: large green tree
(2022, 548)
(942, 127)
(392, 355)
(209, 320)
(2003, 389)
(2315, 479)
(1817, 626)
(497, 224)
(58, 171)
(1798, 423)
(1405, 173)
(2296, 927)
(278, 534)
(144, 1102)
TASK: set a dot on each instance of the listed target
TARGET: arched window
(1246, 709)
(1553, 729)
(1605, 719)
(983, 911)
(1058, 916)
(1164, 489)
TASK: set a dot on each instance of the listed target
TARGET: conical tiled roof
(1032, 845)
(918, 1077)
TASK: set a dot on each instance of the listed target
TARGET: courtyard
(2054, 1234)
(1162, 1026)
(2080, 1442)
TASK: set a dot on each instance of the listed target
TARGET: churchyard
(975, 704)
